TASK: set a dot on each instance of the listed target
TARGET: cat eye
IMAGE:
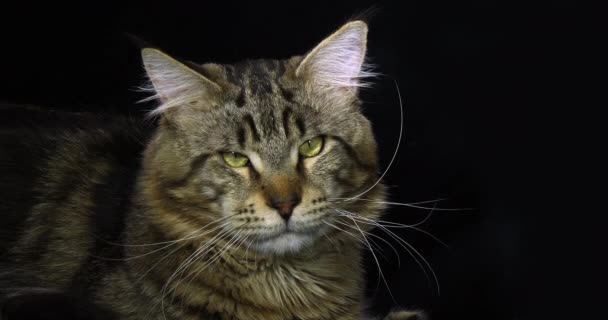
(311, 147)
(235, 160)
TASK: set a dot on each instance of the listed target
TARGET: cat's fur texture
(154, 226)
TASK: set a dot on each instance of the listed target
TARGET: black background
(473, 76)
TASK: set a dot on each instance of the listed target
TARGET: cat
(235, 206)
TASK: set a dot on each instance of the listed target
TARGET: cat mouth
(290, 229)
(285, 242)
(288, 239)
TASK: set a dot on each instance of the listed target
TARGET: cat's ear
(338, 62)
(175, 84)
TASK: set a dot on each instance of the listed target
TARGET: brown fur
(185, 232)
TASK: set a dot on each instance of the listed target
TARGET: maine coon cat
(230, 209)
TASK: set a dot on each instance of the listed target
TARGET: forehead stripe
(248, 119)
(240, 99)
(301, 126)
(241, 136)
(286, 115)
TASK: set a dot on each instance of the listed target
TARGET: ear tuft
(339, 60)
(174, 83)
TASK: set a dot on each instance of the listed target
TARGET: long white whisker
(394, 154)
(237, 238)
(186, 237)
(412, 205)
(198, 253)
(183, 266)
(201, 251)
(374, 243)
(400, 240)
(338, 228)
(377, 262)
(168, 243)
(331, 240)
(389, 224)
(181, 246)
(405, 245)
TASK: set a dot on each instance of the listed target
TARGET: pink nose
(285, 206)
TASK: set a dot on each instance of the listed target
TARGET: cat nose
(285, 205)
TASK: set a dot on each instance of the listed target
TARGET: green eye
(235, 160)
(311, 147)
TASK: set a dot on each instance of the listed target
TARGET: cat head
(263, 150)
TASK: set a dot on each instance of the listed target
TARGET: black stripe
(353, 154)
(195, 166)
(301, 126)
(231, 75)
(269, 122)
(111, 198)
(240, 99)
(259, 80)
(56, 199)
(21, 159)
(241, 136)
(286, 115)
(254, 132)
(287, 94)
(38, 303)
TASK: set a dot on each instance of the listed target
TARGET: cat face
(263, 150)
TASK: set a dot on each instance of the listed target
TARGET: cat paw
(406, 315)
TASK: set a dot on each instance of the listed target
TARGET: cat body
(84, 211)
(234, 207)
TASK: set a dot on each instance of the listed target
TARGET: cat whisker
(183, 276)
(389, 224)
(192, 275)
(332, 242)
(184, 265)
(376, 259)
(237, 240)
(186, 237)
(133, 257)
(340, 229)
(365, 243)
(381, 239)
(170, 243)
(412, 205)
(406, 203)
(181, 246)
(412, 251)
(403, 246)
(394, 153)
(200, 251)
(368, 234)
(251, 242)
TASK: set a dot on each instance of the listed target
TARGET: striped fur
(110, 212)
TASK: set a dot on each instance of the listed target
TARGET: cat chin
(285, 243)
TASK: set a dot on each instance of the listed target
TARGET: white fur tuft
(339, 60)
(174, 84)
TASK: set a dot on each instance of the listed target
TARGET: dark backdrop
(471, 75)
